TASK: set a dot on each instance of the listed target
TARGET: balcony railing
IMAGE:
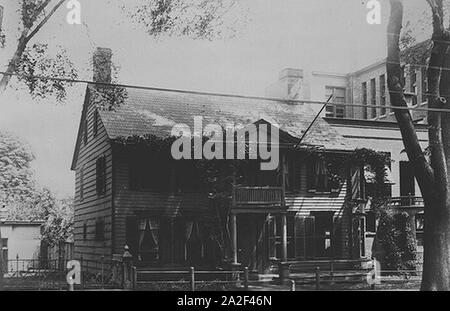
(407, 201)
(258, 197)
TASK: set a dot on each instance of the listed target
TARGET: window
(84, 231)
(187, 177)
(1, 17)
(424, 84)
(337, 110)
(100, 229)
(371, 222)
(364, 99)
(318, 175)
(149, 172)
(101, 175)
(383, 110)
(95, 125)
(373, 98)
(4, 251)
(149, 239)
(85, 131)
(420, 221)
(293, 174)
(82, 183)
(413, 85)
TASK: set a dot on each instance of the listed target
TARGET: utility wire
(288, 101)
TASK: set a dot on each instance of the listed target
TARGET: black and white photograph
(240, 147)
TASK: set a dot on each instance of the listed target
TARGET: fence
(50, 274)
(26, 274)
(192, 279)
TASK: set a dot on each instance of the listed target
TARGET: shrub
(396, 241)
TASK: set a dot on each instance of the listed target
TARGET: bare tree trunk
(432, 177)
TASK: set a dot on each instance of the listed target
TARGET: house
(361, 123)
(20, 239)
(129, 193)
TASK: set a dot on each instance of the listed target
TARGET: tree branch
(45, 19)
(423, 171)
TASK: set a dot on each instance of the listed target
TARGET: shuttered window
(101, 175)
(100, 229)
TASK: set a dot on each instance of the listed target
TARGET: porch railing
(258, 196)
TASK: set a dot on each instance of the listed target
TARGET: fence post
(332, 269)
(134, 271)
(317, 278)
(127, 258)
(102, 259)
(374, 274)
(81, 273)
(192, 277)
(246, 278)
(17, 265)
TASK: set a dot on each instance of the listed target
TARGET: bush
(396, 241)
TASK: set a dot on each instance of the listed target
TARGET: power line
(288, 101)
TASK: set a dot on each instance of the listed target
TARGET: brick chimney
(102, 65)
(288, 86)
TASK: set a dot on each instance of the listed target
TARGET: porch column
(284, 237)
(234, 238)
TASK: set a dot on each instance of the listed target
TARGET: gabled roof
(155, 112)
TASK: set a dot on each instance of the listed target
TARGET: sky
(325, 35)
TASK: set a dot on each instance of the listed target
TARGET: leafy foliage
(37, 61)
(198, 19)
(396, 240)
(16, 177)
(59, 222)
(28, 11)
(21, 197)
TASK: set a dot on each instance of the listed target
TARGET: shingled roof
(155, 112)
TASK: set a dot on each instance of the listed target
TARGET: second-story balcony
(407, 202)
(258, 199)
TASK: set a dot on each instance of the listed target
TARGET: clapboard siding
(92, 206)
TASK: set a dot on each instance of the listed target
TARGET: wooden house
(126, 195)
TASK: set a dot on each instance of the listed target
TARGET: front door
(323, 234)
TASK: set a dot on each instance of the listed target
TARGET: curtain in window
(142, 225)
(321, 175)
(189, 230)
(154, 228)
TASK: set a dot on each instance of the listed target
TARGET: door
(407, 181)
(323, 233)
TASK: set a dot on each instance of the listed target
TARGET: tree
(29, 61)
(432, 176)
(198, 19)
(16, 182)
(59, 218)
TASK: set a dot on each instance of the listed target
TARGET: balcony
(407, 202)
(258, 199)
